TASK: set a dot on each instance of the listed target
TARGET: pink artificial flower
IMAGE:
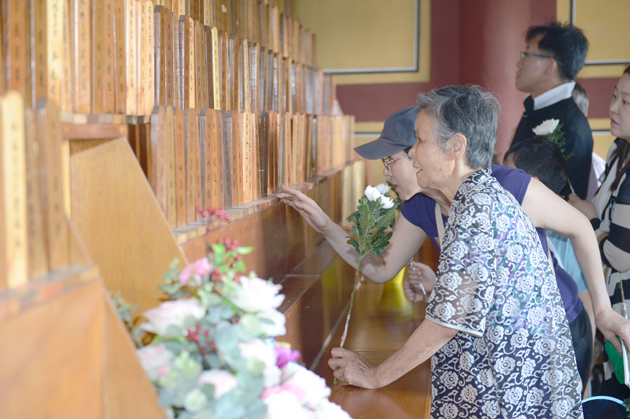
(196, 269)
(284, 355)
(270, 392)
(296, 390)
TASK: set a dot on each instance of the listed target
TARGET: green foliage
(372, 223)
(557, 137)
(126, 312)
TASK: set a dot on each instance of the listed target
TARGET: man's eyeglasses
(532, 54)
(388, 160)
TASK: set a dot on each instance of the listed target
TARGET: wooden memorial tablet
(309, 158)
(263, 17)
(226, 72)
(255, 156)
(120, 58)
(214, 68)
(141, 40)
(50, 148)
(55, 10)
(66, 74)
(149, 80)
(218, 168)
(98, 56)
(228, 153)
(180, 168)
(285, 35)
(246, 159)
(289, 72)
(181, 7)
(37, 258)
(168, 59)
(109, 73)
(13, 219)
(254, 75)
(207, 12)
(171, 177)
(191, 136)
(262, 142)
(274, 29)
(202, 66)
(157, 165)
(268, 70)
(159, 16)
(187, 33)
(205, 157)
(131, 56)
(14, 44)
(238, 193)
(178, 80)
(244, 76)
(234, 57)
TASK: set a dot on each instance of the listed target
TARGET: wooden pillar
(491, 38)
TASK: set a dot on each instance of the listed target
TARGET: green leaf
(244, 250)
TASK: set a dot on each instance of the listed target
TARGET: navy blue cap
(398, 134)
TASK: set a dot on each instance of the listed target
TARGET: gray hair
(467, 110)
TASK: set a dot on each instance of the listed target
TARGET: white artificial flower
(154, 358)
(171, 313)
(314, 386)
(257, 350)
(277, 327)
(328, 410)
(255, 294)
(285, 405)
(546, 127)
(195, 401)
(387, 202)
(371, 193)
(382, 188)
(223, 381)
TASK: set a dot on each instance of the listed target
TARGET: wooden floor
(382, 319)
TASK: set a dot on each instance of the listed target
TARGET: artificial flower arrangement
(211, 352)
(373, 220)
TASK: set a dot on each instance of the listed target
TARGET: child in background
(543, 160)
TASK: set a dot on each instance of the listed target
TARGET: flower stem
(354, 290)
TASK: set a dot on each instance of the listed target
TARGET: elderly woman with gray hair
(495, 328)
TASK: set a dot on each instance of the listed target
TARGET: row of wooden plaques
(197, 159)
(125, 56)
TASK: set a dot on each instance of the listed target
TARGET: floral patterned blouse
(513, 356)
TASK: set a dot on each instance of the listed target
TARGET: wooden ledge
(45, 288)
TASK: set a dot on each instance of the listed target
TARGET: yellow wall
(370, 34)
(605, 23)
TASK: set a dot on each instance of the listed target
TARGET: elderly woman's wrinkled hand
(353, 368)
(307, 208)
(420, 275)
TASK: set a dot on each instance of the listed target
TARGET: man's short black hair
(541, 158)
(566, 43)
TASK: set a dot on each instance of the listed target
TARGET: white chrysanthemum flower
(171, 313)
(371, 193)
(387, 202)
(546, 127)
(255, 294)
(382, 188)
(277, 325)
(314, 385)
(257, 350)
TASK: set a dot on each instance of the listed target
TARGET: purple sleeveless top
(419, 210)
